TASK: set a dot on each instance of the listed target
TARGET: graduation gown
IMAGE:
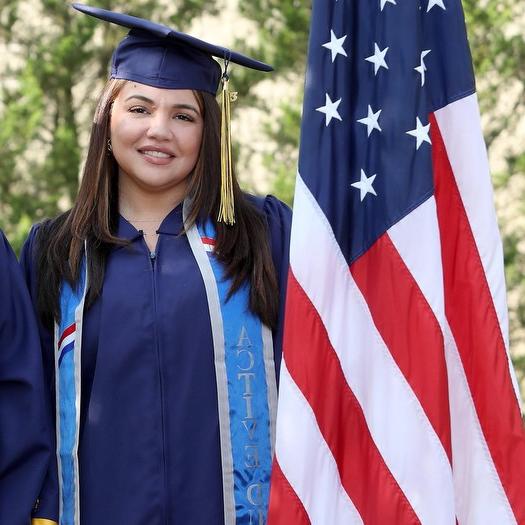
(25, 446)
(149, 448)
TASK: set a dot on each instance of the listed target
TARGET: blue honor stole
(246, 389)
(68, 344)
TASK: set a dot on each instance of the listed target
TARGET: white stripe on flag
(398, 425)
(424, 263)
(480, 498)
(479, 494)
(460, 127)
(303, 456)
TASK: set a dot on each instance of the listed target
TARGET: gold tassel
(226, 210)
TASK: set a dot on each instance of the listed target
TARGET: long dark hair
(243, 248)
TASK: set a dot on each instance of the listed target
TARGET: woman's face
(156, 136)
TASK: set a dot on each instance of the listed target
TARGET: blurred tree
(495, 29)
(282, 27)
(57, 60)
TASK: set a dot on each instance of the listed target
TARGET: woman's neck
(146, 210)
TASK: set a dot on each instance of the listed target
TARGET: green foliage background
(57, 64)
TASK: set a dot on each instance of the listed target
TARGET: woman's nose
(160, 128)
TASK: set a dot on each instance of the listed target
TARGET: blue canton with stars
(376, 70)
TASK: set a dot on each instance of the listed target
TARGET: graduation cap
(162, 57)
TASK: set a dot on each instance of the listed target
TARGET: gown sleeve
(279, 218)
(25, 446)
(45, 511)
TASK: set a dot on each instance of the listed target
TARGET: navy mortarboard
(159, 56)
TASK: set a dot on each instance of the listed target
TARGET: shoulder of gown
(48, 497)
(279, 219)
(25, 434)
(27, 259)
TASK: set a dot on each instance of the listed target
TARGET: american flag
(398, 403)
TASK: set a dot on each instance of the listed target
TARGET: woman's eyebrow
(140, 97)
(189, 107)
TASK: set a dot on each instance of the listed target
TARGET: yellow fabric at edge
(42, 521)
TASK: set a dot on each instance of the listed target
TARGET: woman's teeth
(159, 154)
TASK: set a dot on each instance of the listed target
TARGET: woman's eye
(184, 116)
(137, 109)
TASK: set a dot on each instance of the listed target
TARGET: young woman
(24, 438)
(160, 324)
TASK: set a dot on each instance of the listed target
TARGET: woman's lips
(159, 158)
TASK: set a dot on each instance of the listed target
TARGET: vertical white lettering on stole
(256, 517)
(250, 362)
(248, 403)
(246, 376)
(250, 425)
(255, 496)
(251, 456)
(244, 339)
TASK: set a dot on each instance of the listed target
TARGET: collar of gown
(171, 225)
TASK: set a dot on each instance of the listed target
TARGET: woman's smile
(157, 155)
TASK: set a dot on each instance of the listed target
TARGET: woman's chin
(155, 182)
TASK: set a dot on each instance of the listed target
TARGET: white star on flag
(421, 133)
(336, 45)
(370, 121)
(365, 185)
(432, 3)
(422, 67)
(378, 58)
(330, 109)
(384, 2)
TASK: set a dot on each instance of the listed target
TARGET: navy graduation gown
(149, 449)
(25, 446)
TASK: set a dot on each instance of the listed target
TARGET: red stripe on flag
(473, 320)
(68, 331)
(285, 507)
(409, 328)
(208, 240)
(315, 368)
